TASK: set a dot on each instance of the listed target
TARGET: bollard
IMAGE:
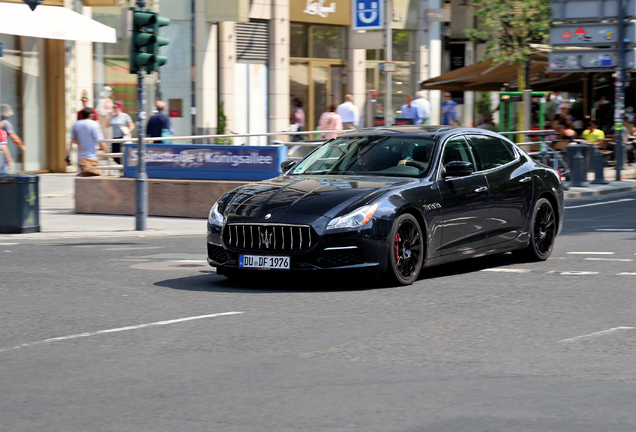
(599, 165)
(579, 171)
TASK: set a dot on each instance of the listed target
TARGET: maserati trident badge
(267, 240)
(267, 216)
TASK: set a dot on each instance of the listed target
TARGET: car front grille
(341, 257)
(217, 253)
(270, 237)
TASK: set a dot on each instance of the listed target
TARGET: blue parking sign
(368, 14)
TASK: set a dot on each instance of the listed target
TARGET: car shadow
(276, 283)
(469, 265)
(280, 282)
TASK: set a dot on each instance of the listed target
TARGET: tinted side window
(458, 149)
(492, 152)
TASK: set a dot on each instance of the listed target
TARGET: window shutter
(252, 41)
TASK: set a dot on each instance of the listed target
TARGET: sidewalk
(58, 219)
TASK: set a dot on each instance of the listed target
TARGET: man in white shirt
(423, 107)
(349, 113)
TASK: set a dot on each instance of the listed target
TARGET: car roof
(420, 130)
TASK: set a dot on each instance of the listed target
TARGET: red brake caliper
(395, 247)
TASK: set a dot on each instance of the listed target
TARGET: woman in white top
(122, 125)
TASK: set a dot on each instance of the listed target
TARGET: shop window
(298, 40)
(327, 42)
(22, 96)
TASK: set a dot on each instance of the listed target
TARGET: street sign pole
(141, 178)
(388, 111)
(619, 97)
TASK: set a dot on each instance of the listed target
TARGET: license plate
(264, 262)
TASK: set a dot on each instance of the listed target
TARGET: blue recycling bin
(19, 203)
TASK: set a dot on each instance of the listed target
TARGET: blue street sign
(368, 14)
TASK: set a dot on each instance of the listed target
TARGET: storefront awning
(52, 22)
(488, 77)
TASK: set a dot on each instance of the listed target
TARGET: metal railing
(189, 138)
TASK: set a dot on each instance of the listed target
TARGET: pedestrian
(486, 123)
(558, 99)
(550, 107)
(349, 113)
(593, 134)
(409, 110)
(5, 112)
(87, 134)
(330, 120)
(423, 107)
(84, 100)
(6, 161)
(122, 125)
(297, 118)
(449, 109)
(568, 133)
(159, 123)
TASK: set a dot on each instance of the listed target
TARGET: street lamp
(33, 3)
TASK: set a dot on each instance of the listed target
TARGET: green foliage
(221, 128)
(509, 27)
(482, 104)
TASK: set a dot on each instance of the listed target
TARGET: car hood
(312, 195)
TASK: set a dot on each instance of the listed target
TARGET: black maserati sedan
(391, 201)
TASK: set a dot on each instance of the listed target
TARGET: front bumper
(344, 250)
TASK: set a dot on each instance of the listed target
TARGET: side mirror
(287, 165)
(457, 169)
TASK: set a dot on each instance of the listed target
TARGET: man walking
(85, 105)
(159, 123)
(409, 110)
(87, 134)
(5, 126)
(349, 113)
(423, 107)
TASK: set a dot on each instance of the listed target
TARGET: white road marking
(601, 203)
(134, 327)
(8, 244)
(600, 333)
(617, 229)
(506, 270)
(626, 274)
(591, 253)
(192, 261)
(609, 259)
(577, 273)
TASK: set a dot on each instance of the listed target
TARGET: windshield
(370, 155)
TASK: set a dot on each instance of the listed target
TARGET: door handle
(525, 179)
(481, 189)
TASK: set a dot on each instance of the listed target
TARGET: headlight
(215, 217)
(355, 219)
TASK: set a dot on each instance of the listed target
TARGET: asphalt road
(482, 345)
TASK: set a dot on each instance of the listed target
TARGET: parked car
(392, 201)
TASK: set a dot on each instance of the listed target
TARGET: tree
(509, 27)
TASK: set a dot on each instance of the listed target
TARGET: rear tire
(406, 251)
(543, 229)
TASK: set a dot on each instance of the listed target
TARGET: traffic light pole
(141, 178)
(619, 97)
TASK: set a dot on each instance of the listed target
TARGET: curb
(569, 194)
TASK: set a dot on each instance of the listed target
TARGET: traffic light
(33, 3)
(142, 40)
(145, 41)
(160, 41)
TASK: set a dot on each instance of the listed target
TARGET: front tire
(406, 251)
(543, 229)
